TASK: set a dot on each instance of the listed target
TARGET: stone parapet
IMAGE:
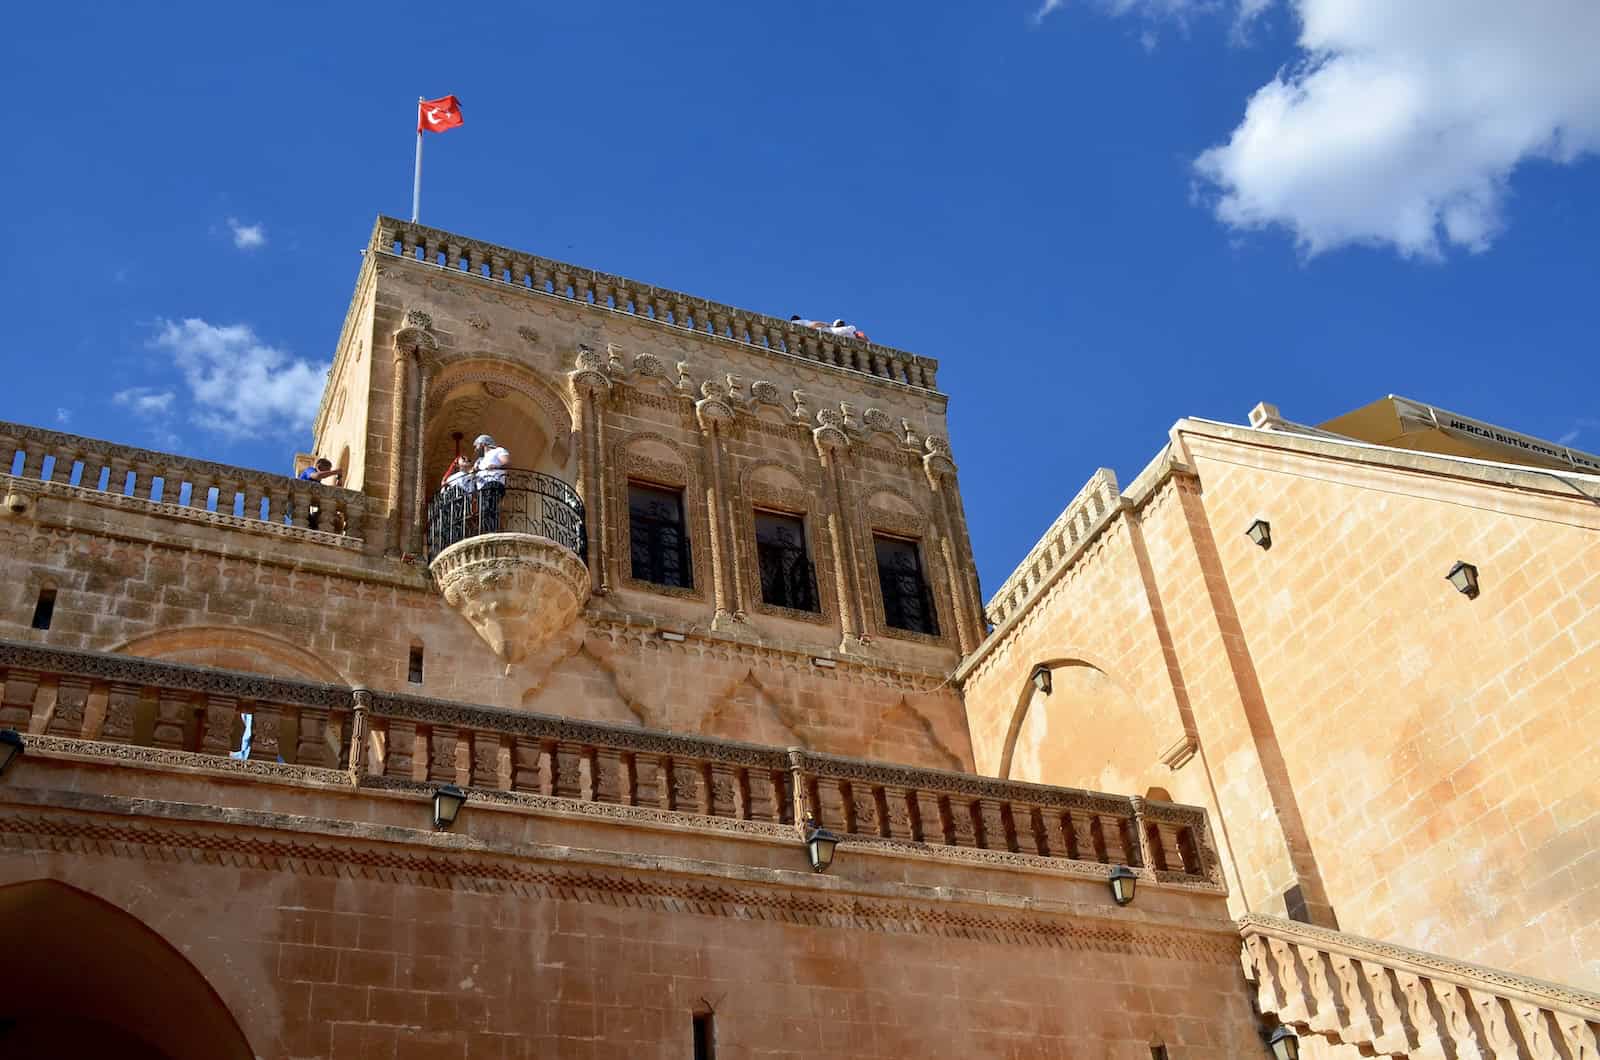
(1388, 1000)
(618, 294)
(88, 703)
(36, 461)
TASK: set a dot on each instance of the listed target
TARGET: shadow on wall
(1085, 732)
(67, 999)
(232, 648)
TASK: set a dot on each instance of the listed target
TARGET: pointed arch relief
(66, 999)
(747, 710)
(584, 685)
(1087, 731)
(232, 648)
(902, 727)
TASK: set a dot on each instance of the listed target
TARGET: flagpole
(416, 180)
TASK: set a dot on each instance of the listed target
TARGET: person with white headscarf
(489, 474)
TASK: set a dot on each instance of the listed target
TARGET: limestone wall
(1378, 749)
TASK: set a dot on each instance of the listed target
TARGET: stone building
(724, 595)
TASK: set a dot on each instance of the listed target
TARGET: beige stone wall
(1375, 746)
(525, 934)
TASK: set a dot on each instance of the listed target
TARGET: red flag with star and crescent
(437, 115)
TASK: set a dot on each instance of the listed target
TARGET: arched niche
(1086, 732)
(92, 980)
(518, 410)
(231, 648)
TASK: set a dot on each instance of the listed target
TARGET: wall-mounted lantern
(1284, 1044)
(1123, 881)
(1464, 576)
(1260, 532)
(820, 845)
(1041, 679)
(447, 802)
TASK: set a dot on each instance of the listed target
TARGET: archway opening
(91, 980)
(512, 418)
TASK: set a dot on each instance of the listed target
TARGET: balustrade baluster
(1464, 1036)
(588, 773)
(267, 722)
(1426, 1033)
(519, 272)
(16, 702)
(475, 261)
(72, 701)
(121, 711)
(1387, 1002)
(311, 740)
(452, 256)
(1329, 1017)
(174, 715)
(567, 776)
(1295, 1009)
(1356, 1019)
(217, 714)
(456, 760)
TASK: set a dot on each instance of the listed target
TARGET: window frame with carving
(685, 541)
(762, 553)
(676, 474)
(794, 503)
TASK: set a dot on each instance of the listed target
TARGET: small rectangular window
(705, 1039)
(787, 577)
(1158, 1052)
(45, 609)
(907, 602)
(414, 668)
(658, 542)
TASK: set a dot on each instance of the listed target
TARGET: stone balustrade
(50, 461)
(1082, 518)
(619, 294)
(388, 740)
(1386, 1000)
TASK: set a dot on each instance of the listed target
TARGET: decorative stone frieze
(517, 590)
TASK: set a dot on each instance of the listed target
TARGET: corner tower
(728, 522)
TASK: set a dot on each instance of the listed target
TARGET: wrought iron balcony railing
(510, 501)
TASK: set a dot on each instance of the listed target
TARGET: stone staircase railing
(70, 700)
(1387, 1000)
(622, 295)
(41, 460)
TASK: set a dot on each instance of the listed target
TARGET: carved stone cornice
(411, 858)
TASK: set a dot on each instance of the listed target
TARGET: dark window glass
(907, 603)
(657, 540)
(414, 666)
(787, 579)
(45, 609)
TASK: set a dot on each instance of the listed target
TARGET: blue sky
(1100, 215)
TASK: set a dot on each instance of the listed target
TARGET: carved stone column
(419, 478)
(592, 387)
(715, 415)
(397, 443)
(832, 446)
(412, 341)
(950, 526)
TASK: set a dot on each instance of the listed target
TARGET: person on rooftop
(320, 470)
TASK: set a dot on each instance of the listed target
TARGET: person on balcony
(455, 491)
(489, 476)
(320, 470)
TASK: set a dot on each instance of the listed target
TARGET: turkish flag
(437, 115)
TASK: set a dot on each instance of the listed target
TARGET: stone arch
(1088, 732)
(488, 393)
(67, 999)
(232, 648)
(902, 726)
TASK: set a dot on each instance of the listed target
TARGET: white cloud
(63, 416)
(1401, 122)
(240, 386)
(146, 401)
(1404, 121)
(247, 237)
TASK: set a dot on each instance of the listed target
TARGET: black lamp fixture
(1464, 576)
(820, 844)
(1041, 679)
(1260, 532)
(1123, 881)
(11, 746)
(447, 802)
(1284, 1044)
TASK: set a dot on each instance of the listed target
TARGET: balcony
(509, 557)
